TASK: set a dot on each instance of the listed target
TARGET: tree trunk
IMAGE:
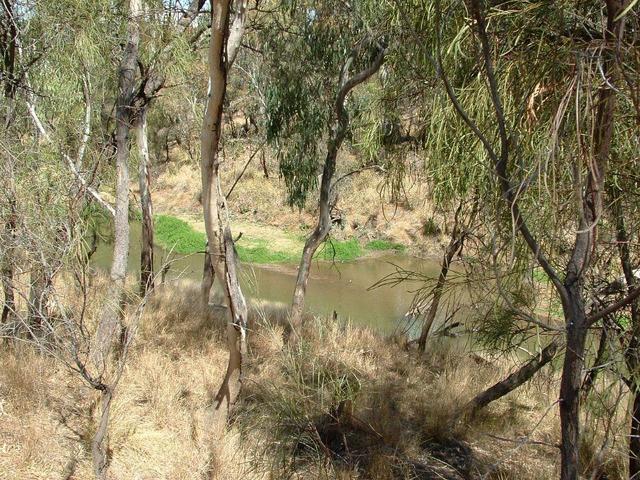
(223, 256)
(634, 436)
(513, 381)
(338, 133)
(318, 235)
(455, 244)
(108, 326)
(109, 322)
(100, 442)
(571, 383)
(146, 206)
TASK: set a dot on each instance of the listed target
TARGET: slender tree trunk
(455, 244)
(571, 383)
(101, 437)
(513, 381)
(107, 331)
(222, 256)
(146, 205)
(323, 225)
(318, 235)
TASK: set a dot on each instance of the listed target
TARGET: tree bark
(571, 382)
(323, 226)
(223, 256)
(513, 381)
(126, 82)
(146, 205)
(100, 441)
(455, 244)
(110, 321)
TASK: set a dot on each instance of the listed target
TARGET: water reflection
(341, 287)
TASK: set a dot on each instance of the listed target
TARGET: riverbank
(262, 245)
(273, 232)
(394, 423)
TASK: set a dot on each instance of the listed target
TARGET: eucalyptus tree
(222, 51)
(341, 46)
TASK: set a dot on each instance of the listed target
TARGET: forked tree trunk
(146, 205)
(571, 289)
(222, 256)
(108, 327)
(323, 226)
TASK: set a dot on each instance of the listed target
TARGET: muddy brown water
(341, 287)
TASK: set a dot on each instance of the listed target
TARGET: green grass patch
(340, 251)
(261, 254)
(540, 276)
(384, 245)
(176, 234)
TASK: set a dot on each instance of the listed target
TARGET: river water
(341, 287)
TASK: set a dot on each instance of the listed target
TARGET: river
(341, 287)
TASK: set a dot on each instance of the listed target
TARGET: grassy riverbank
(395, 422)
(185, 238)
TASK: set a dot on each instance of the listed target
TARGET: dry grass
(402, 407)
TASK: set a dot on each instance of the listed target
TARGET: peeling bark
(146, 205)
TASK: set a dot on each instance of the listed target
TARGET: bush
(430, 228)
